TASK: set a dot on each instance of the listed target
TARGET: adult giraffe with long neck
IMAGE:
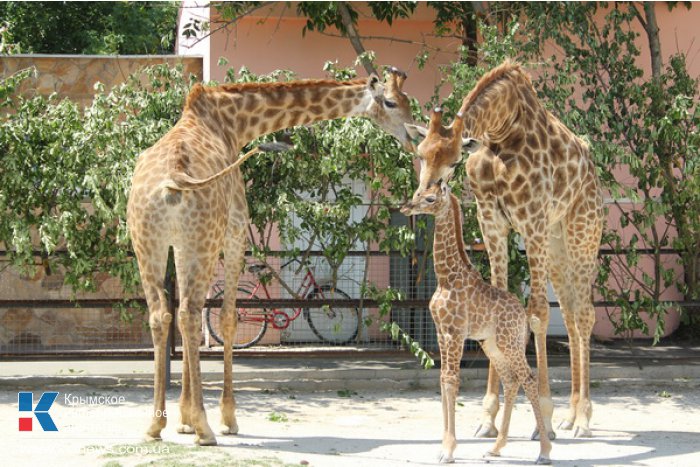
(529, 173)
(188, 192)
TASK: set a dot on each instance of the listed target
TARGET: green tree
(65, 172)
(90, 27)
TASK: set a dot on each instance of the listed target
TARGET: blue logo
(41, 411)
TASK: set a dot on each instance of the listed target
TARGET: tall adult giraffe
(188, 192)
(529, 173)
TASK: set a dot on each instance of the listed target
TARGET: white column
(191, 11)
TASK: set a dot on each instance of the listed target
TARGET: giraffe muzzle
(407, 209)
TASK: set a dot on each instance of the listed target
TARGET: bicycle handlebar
(256, 268)
(293, 260)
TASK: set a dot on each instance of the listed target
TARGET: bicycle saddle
(256, 268)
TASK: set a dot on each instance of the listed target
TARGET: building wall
(75, 76)
(271, 38)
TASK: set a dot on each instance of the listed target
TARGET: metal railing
(411, 312)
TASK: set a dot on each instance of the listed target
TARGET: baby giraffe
(465, 306)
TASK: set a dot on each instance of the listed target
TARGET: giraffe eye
(430, 199)
(389, 104)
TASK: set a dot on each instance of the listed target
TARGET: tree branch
(639, 16)
(390, 39)
(355, 38)
(225, 24)
(652, 30)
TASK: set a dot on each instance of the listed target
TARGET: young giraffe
(175, 201)
(532, 174)
(464, 306)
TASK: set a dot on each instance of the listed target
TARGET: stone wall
(27, 330)
(74, 76)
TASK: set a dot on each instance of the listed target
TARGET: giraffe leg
(487, 428)
(584, 321)
(159, 322)
(560, 273)
(538, 308)
(584, 408)
(575, 361)
(193, 275)
(510, 391)
(451, 355)
(545, 397)
(152, 263)
(584, 227)
(235, 250)
(530, 387)
(185, 425)
(494, 228)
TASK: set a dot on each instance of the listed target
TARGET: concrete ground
(329, 412)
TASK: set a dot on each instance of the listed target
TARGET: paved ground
(330, 413)
(640, 425)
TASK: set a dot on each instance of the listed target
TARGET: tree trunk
(469, 38)
(354, 38)
(689, 257)
(652, 30)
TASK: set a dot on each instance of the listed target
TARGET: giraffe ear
(445, 188)
(416, 132)
(373, 81)
(375, 87)
(470, 145)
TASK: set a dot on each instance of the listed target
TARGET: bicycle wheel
(251, 323)
(332, 324)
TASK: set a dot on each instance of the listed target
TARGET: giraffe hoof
(492, 454)
(184, 428)
(205, 440)
(566, 425)
(446, 458)
(153, 432)
(536, 435)
(228, 430)
(543, 460)
(582, 432)
(486, 431)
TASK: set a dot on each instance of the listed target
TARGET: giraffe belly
(491, 349)
(478, 331)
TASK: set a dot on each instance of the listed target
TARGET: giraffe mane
(457, 214)
(508, 68)
(198, 89)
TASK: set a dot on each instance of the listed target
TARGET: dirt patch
(641, 425)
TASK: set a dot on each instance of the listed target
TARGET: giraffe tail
(535, 324)
(180, 181)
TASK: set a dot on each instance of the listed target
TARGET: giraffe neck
(505, 104)
(241, 113)
(449, 255)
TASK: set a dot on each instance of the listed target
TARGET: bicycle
(331, 324)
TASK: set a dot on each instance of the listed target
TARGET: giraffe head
(439, 148)
(433, 200)
(391, 107)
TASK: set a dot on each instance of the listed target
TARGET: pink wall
(272, 39)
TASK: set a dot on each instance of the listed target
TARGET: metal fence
(304, 308)
(315, 309)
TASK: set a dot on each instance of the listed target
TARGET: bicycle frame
(307, 284)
